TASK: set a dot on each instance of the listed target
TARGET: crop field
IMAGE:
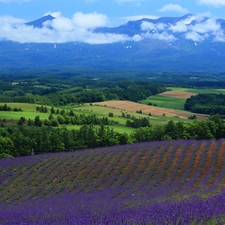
(165, 101)
(159, 183)
(133, 107)
(176, 97)
(199, 90)
(178, 94)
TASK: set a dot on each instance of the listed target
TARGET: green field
(178, 103)
(29, 112)
(117, 128)
(166, 102)
(199, 90)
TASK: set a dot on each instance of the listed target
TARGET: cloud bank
(81, 28)
(195, 28)
(173, 8)
(213, 2)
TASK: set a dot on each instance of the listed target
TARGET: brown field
(177, 94)
(133, 107)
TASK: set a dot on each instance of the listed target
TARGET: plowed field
(133, 107)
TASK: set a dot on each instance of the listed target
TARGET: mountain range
(189, 43)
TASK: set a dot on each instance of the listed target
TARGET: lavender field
(167, 182)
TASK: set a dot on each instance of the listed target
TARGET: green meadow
(28, 111)
(165, 102)
(199, 90)
(117, 128)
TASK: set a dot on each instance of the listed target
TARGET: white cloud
(137, 2)
(147, 26)
(156, 31)
(61, 30)
(220, 36)
(209, 25)
(90, 20)
(62, 24)
(11, 20)
(179, 27)
(173, 8)
(80, 28)
(139, 17)
(213, 2)
(195, 36)
(54, 14)
(160, 36)
(204, 29)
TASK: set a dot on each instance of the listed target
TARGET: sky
(78, 18)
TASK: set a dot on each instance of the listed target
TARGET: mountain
(39, 22)
(188, 43)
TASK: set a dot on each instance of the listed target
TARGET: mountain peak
(39, 22)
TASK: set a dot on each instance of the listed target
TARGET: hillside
(155, 182)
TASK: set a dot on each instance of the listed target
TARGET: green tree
(21, 121)
(52, 110)
(6, 146)
(110, 114)
(37, 121)
(171, 129)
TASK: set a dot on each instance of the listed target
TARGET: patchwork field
(100, 110)
(133, 107)
(168, 182)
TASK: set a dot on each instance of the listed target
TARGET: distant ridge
(187, 43)
(39, 22)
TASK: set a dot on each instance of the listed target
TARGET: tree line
(210, 104)
(19, 141)
(77, 92)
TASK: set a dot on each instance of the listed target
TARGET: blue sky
(76, 19)
(115, 10)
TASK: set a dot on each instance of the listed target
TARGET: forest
(206, 104)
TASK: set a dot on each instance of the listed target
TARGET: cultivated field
(199, 90)
(168, 182)
(146, 109)
(177, 94)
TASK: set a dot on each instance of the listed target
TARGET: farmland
(146, 109)
(166, 106)
(168, 182)
(108, 152)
